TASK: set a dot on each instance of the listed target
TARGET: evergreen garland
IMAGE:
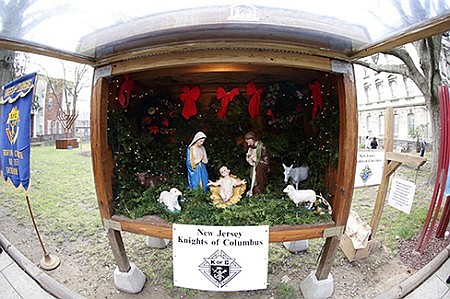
(150, 136)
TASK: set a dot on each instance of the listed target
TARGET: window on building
(367, 92)
(411, 125)
(381, 124)
(368, 126)
(393, 86)
(396, 123)
(408, 86)
(49, 103)
(379, 87)
(49, 127)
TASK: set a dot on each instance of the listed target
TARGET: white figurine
(170, 199)
(295, 174)
(226, 183)
(298, 196)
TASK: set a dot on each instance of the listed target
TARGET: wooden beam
(392, 162)
(387, 171)
(102, 161)
(348, 146)
(156, 227)
(391, 167)
(410, 160)
(29, 47)
(408, 35)
(222, 56)
(118, 249)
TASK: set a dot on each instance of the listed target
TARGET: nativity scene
(255, 129)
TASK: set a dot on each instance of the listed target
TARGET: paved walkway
(15, 283)
(435, 287)
(21, 279)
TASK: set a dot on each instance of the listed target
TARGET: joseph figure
(258, 157)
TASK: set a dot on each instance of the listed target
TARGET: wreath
(158, 115)
(283, 104)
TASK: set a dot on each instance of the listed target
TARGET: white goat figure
(299, 196)
(295, 174)
(170, 199)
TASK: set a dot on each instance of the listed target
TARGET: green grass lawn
(62, 192)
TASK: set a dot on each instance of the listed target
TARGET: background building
(377, 91)
(49, 98)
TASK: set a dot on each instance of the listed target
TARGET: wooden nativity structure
(213, 54)
(221, 48)
(228, 47)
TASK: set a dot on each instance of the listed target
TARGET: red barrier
(441, 175)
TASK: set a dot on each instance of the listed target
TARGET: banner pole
(48, 262)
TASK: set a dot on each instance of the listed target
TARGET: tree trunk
(435, 120)
(6, 66)
(429, 54)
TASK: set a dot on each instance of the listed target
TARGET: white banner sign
(402, 194)
(220, 258)
(369, 168)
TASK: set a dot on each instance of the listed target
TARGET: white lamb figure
(170, 199)
(298, 196)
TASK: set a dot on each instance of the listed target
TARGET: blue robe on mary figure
(197, 172)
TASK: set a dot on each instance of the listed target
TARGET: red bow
(317, 98)
(226, 97)
(254, 106)
(125, 90)
(189, 97)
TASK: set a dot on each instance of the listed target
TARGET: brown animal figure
(148, 180)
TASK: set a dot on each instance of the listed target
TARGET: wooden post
(382, 189)
(102, 163)
(392, 162)
(343, 191)
(118, 249)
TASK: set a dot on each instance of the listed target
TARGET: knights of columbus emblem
(12, 131)
(219, 268)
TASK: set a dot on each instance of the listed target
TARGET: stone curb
(45, 281)
(408, 285)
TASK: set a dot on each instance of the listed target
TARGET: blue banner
(16, 100)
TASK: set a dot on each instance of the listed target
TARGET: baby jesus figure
(226, 183)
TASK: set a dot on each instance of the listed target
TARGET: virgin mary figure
(196, 160)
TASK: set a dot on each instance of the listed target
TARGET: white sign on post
(401, 195)
(220, 258)
(369, 168)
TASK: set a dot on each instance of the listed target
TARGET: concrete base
(156, 242)
(132, 281)
(296, 246)
(317, 289)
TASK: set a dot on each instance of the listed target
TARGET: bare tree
(79, 83)
(71, 89)
(426, 73)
